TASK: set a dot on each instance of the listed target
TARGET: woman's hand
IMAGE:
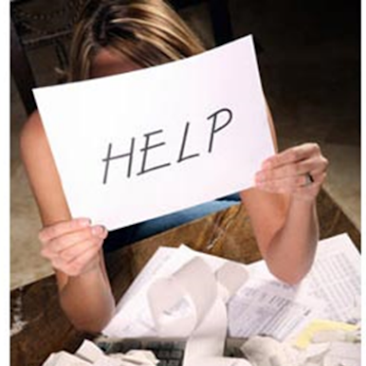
(73, 246)
(299, 171)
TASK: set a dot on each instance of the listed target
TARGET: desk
(226, 233)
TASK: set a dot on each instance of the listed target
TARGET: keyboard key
(180, 345)
(104, 346)
(125, 346)
(167, 345)
(163, 354)
(176, 354)
(174, 363)
(152, 346)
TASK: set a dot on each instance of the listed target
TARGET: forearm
(87, 300)
(291, 251)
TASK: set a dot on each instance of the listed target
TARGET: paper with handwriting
(135, 146)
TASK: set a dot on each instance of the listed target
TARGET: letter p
(216, 127)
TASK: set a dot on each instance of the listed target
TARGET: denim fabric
(121, 237)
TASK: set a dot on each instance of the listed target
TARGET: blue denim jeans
(128, 235)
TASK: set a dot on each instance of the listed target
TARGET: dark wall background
(310, 65)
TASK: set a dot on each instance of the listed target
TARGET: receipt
(184, 297)
(202, 293)
(135, 314)
(178, 311)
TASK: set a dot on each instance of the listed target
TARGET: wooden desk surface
(44, 329)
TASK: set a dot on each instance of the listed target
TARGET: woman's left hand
(299, 171)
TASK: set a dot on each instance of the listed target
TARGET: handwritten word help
(155, 139)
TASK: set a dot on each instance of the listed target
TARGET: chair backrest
(22, 72)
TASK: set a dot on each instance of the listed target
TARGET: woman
(118, 36)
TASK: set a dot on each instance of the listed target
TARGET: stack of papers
(263, 305)
(134, 318)
(332, 290)
(315, 323)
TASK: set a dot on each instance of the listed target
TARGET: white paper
(264, 351)
(168, 112)
(152, 267)
(185, 298)
(220, 361)
(262, 308)
(133, 317)
(90, 354)
(89, 351)
(108, 361)
(64, 358)
(190, 304)
(345, 354)
(334, 278)
(177, 311)
(262, 305)
(330, 291)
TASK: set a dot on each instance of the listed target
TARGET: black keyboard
(168, 352)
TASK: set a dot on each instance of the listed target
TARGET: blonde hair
(148, 32)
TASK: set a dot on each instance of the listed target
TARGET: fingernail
(97, 230)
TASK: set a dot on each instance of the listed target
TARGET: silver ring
(308, 179)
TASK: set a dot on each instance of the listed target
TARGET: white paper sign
(135, 146)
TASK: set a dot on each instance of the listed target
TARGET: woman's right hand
(73, 246)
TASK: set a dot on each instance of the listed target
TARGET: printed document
(332, 290)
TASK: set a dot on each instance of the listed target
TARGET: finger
(59, 264)
(320, 166)
(62, 264)
(319, 178)
(53, 248)
(82, 262)
(284, 185)
(71, 253)
(61, 228)
(298, 188)
(65, 241)
(291, 155)
(70, 269)
(288, 170)
(311, 189)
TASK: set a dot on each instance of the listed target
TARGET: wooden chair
(22, 72)
(21, 69)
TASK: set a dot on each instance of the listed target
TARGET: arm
(283, 209)
(72, 245)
